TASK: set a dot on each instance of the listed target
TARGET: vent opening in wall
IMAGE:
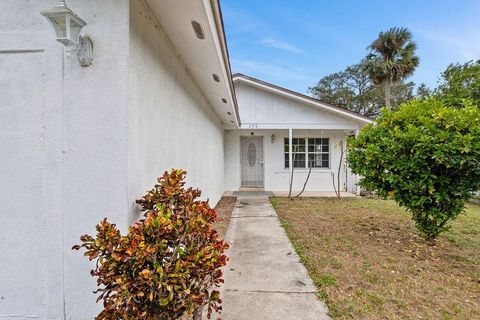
(197, 28)
(224, 100)
(216, 78)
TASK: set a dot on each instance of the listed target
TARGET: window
(298, 152)
(311, 152)
(318, 153)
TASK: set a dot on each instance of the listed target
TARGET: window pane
(59, 24)
(299, 160)
(318, 145)
(318, 161)
(252, 154)
(300, 156)
(311, 161)
(314, 161)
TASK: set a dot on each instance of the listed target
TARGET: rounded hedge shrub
(168, 264)
(426, 156)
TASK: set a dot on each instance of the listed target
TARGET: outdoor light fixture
(272, 138)
(67, 26)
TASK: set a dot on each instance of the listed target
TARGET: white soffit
(300, 97)
(203, 57)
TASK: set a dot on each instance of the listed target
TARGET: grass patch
(325, 280)
(369, 262)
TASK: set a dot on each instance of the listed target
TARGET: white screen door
(252, 161)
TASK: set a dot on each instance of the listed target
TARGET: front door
(251, 154)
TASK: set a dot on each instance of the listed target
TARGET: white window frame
(285, 153)
(285, 140)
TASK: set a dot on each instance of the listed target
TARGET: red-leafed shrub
(168, 264)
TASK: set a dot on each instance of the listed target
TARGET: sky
(295, 43)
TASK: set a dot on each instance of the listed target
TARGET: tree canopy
(458, 82)
(353, 89)
(391, 59)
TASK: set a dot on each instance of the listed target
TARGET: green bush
(426, 156)
(168, 264)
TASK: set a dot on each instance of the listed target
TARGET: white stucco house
(278, 127)
(79, 143)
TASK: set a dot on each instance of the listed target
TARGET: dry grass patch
(224, 209)
(369, 262)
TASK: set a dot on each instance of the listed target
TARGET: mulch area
(224, 209)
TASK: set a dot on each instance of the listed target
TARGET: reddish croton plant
(168, 264)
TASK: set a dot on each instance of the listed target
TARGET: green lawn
(369, 262)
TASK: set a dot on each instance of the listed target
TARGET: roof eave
(217, 11)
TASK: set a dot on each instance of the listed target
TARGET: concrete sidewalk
(264, 278)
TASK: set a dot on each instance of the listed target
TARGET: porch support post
(290, 155)
(357, 132)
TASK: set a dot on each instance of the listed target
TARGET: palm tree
(391, 59)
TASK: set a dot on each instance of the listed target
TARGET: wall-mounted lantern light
(272, 138)
(68, 26)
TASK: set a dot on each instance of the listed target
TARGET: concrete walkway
(264, 278)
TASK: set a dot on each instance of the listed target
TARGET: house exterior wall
(80, 144)
(172, 124)
(63, 150)
(275, 114)
(276, 176)
(258, 107)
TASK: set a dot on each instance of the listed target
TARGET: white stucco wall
(80, 144)
(276, 176)
(64, 155)
(172, 124)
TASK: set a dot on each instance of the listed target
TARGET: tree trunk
(388, 104)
